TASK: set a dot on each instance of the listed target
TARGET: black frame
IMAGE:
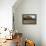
(27, 18)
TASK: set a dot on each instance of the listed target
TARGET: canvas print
(29, 18)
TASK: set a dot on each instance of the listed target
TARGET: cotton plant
(4, 32)
(2, 35)
(1, 29)
(7, 32)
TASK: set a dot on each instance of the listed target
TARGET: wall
(29, 31)
(6, 13)
(43, 22)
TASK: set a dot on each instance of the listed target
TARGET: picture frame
(29, 18)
